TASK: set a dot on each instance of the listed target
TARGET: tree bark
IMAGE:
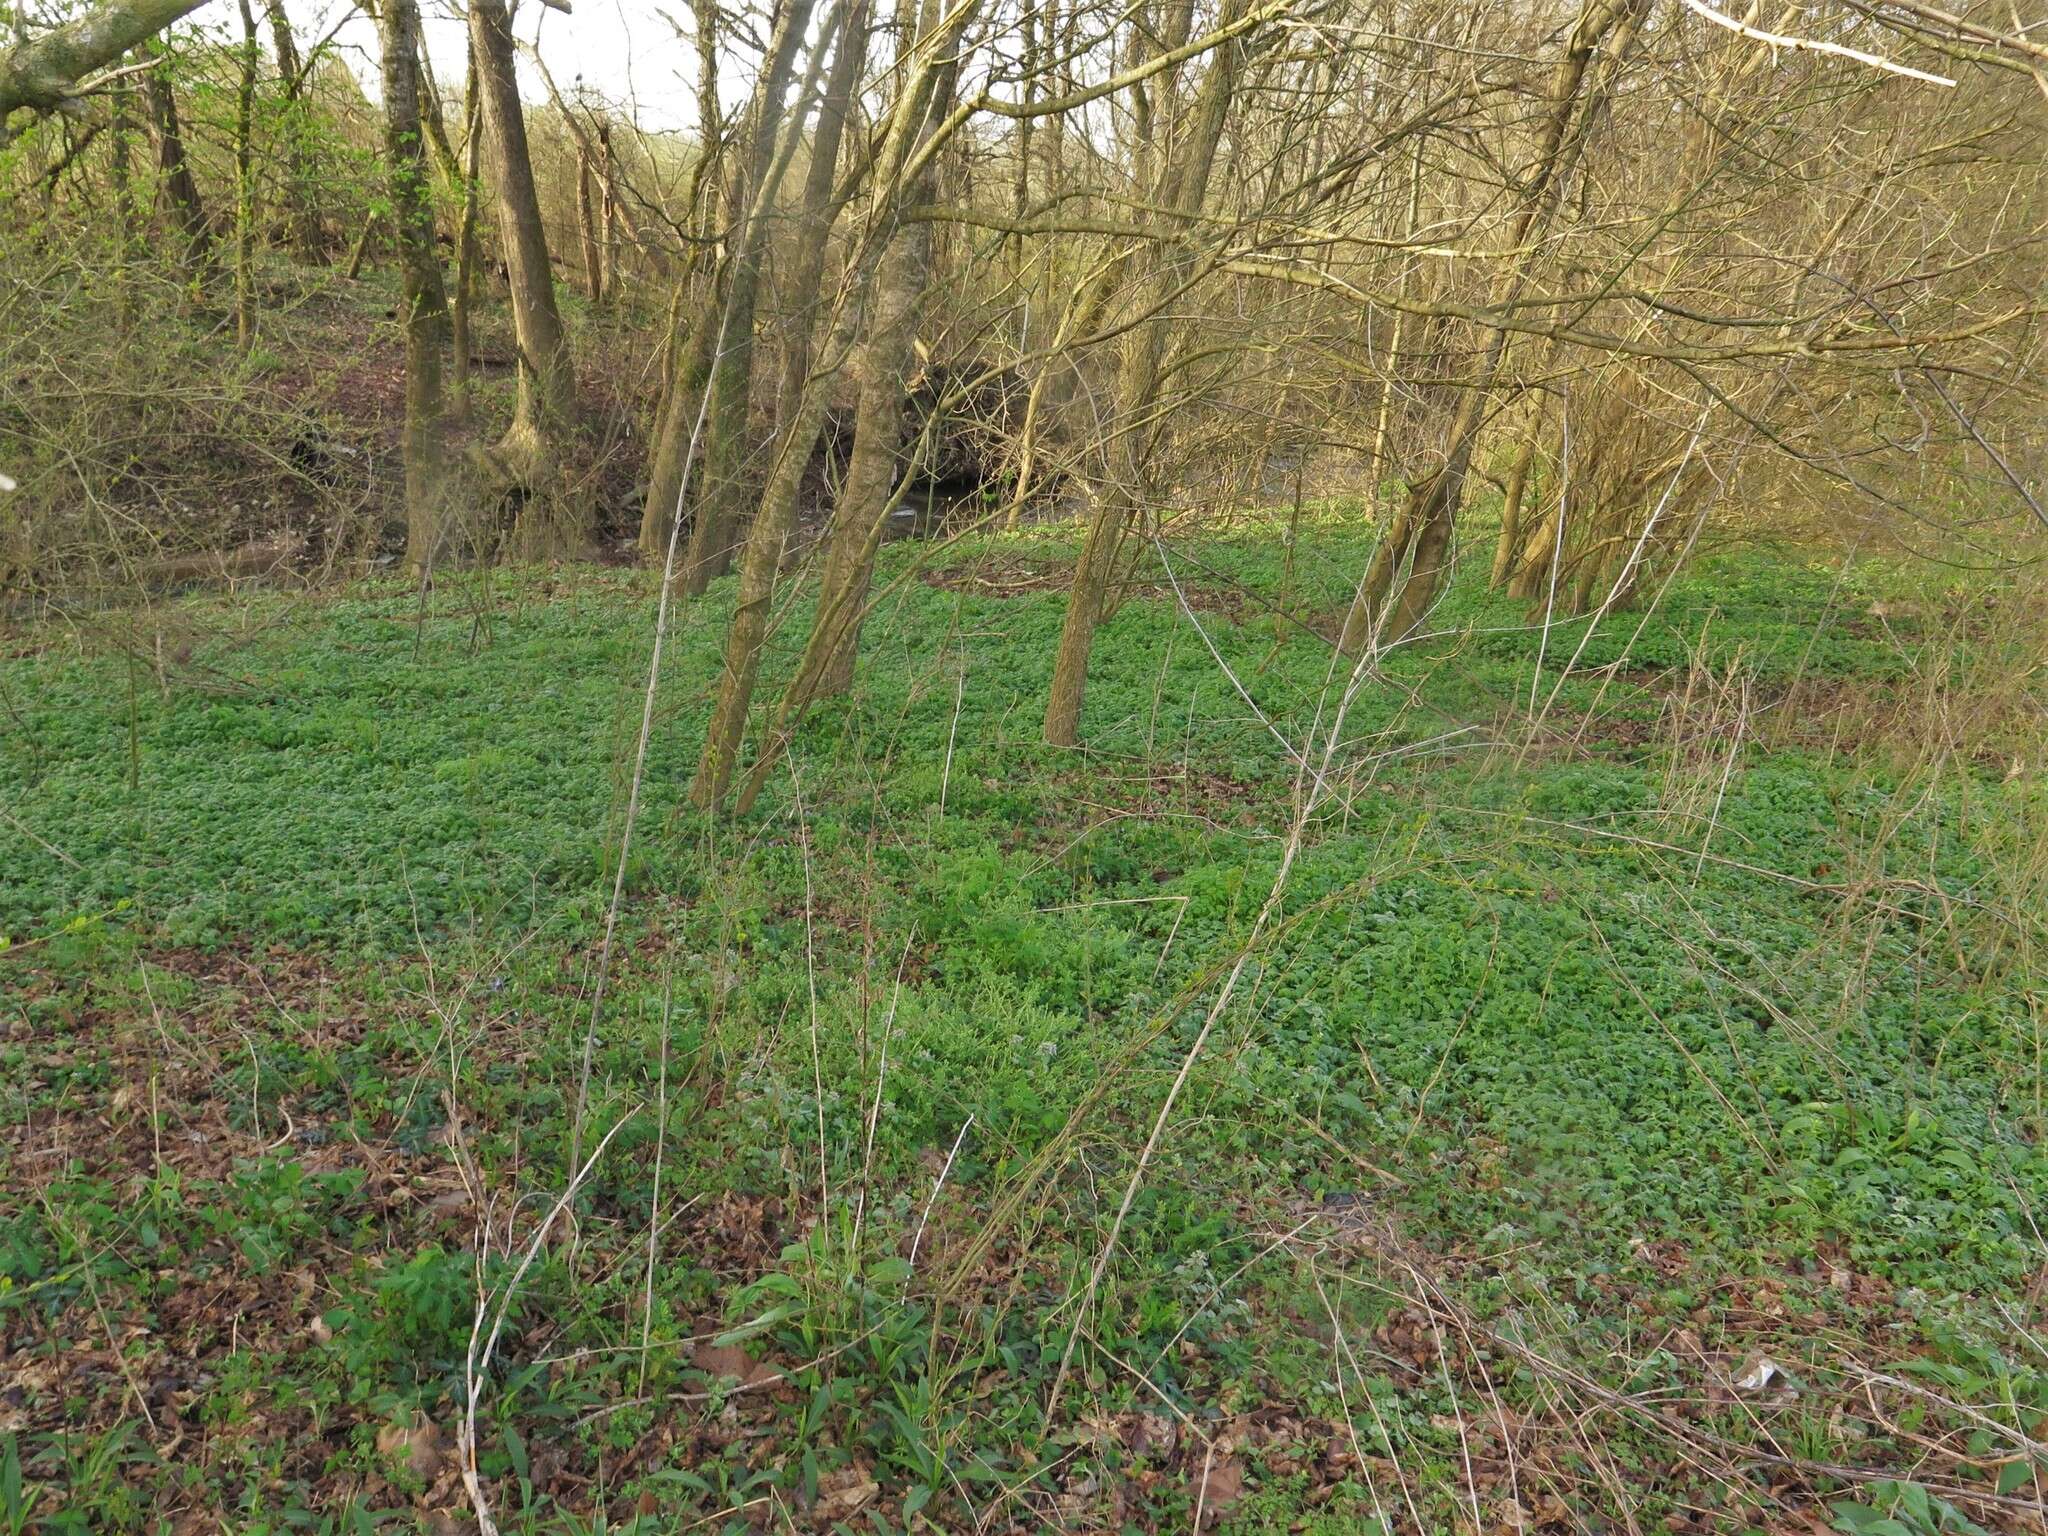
(732, 370)
(804, 415)
(466, 243)
(692, 337)
(920, 103)
(128, 237)
(359, 253)
(688, 374)
(245, 186)
(1510, 541)
(1164, 267)
(586, 230)
(546, 393)
(609, 211)
(175, 186)
(1428, 519)
(424, 305)
(301, 217)
(868, 494)
(39, 72)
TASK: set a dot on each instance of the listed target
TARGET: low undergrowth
(1632, 1119)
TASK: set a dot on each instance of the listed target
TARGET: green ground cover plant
(1630, 1120)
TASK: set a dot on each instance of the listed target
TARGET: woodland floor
(1635, 1123)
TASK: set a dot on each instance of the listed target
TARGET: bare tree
(424, 303)
(545, 406)
(756, 175)
(1165, 266)
(804, 403)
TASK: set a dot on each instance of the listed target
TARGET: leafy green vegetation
(1664, 1051)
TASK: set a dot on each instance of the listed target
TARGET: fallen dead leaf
(1221, 1485)
(844, 1495)
(424, 1448)
(730, 1361)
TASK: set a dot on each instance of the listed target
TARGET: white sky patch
(636, 54)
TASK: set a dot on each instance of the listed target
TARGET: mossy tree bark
(545, 404)
(424, 305)
(39, 72)
(804, 416)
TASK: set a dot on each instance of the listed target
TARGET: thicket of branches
(1633, 276)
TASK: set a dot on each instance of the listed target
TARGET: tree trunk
(39, 72)
(1581, 81)
(688, 374)
(1531, 574)
(245, 186)
(359, 253)
(1376, 471)
(128, 235)
(1509, 543)
(586, 230)
(175, 186)
(919, 105)
(761, 560)
(694, 333)
(609, 215)
(868, 494)
(425, 306)
(546, 394)
(1183, 185)
(301, 219)
(466, 243)
(732, 370)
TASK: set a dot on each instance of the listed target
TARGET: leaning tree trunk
(688, 373)
(906, 145)
(732, 369)
(868, 493)
(694, 332)
(1166, 265)
(1420, 541)
(425, 306)
(546, 393)
(38, 72)
(775, 517)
